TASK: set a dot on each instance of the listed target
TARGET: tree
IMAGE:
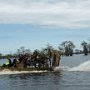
(88, 47)
(77, 51)
(68, 47)
(49, 47)
(28, 51)
(22, 49)
(18, 52)
(0, 55)
(85, 47)
(36, 52)
(61, 50)
(71, 46)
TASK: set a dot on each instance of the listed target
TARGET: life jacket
(7, 62)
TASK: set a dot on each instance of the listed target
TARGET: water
(73, 74)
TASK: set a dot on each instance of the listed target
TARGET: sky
(35, 23)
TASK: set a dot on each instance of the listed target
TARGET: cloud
(56, 13)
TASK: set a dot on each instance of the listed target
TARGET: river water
(73, 74)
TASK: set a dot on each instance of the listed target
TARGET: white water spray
(82, 67)
(7, 71)
(57, 69)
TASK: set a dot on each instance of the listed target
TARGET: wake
(82, 67)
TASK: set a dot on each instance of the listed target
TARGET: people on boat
(34, 60)
(8, 63)
(14, 62)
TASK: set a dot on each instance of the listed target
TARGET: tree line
(67, 48)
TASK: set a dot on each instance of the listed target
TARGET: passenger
(21, 58)
(33, 60)
(29, 61)
(14, 62)
(9, 63)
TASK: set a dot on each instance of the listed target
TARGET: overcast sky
(34, 23)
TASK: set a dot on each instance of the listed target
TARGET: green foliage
(67, 47)
(85, 47)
